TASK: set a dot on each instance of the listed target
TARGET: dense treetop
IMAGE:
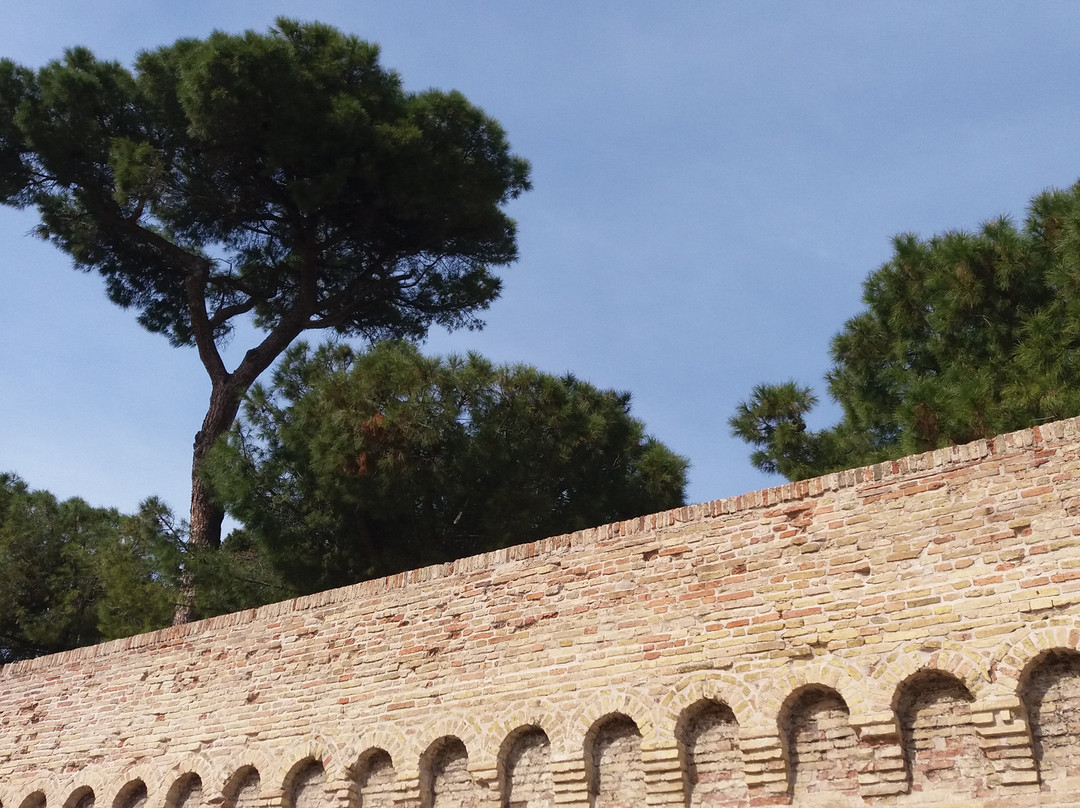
(75, 575)
(964, 336)
(353, 465)
(285, 177)
(288, 175)
(346, 466)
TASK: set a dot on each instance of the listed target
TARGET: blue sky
(712, 183)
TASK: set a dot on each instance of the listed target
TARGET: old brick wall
(907, 634)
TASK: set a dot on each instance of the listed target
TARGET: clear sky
(712, 183)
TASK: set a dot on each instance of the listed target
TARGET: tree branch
(226, 313)
(195, 271)
(201, 329)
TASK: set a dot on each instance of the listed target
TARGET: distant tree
(75, 575)
(773, 419)
(351, 466)
(965, 336)
(284, 177)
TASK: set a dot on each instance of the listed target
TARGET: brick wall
(906, 634)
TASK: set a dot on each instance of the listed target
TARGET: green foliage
(139, 572)
(773, 418)
(284, 177)
(358, 465)
(234, 577)
(76, 575)
(965, 336)
(322, 190)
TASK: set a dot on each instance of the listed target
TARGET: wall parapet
(906, 633)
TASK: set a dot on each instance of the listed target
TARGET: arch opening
(304, 785)
(445, 781)
(525, 769)
(242, 789)
(937, 737)
(81, 798)
(712, 764)
(34, 800)
(1050, 692)
(132, 795)
(820, 743)
(374, 779)
(185, 792)
(614, 770)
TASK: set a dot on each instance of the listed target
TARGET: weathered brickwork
(616, 778)
(1054, 705)
(446, 777)
(242, 790)
(528, 770)
(901, 635)
(941, 747)
(307, 786)
(711, 762)
(822, 748)
(186, 792)
(374, 781)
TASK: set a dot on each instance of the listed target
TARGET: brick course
(903, 634)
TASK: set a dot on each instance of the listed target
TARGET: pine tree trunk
(206, 514)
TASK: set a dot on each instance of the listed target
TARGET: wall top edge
(912, 467)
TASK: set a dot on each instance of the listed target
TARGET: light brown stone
(902, 635)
